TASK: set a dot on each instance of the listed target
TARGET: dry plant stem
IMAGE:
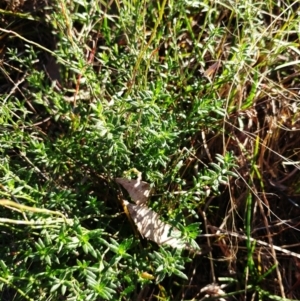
(205, 146)
(8, 282)
(195, 157)
(286, 160)
(15, 200)
(35, 44)
(210, 248)
(285, 222)
(265, 220)
(259, 203)
(259, 242)
(253, 296)
(26, 16)
(191, 278)
(45, 222)
(16, 206)
(277, 183)
(16, 87)
(91, 56)
(143, 293)
(290, 273)
(282, 222)
(222, 243)
(271, 246)
(152, 37)
(23, 155)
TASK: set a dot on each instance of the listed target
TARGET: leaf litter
(138, 190)
(148, 222)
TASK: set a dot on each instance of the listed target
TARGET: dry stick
(210, 248)
(259, 242)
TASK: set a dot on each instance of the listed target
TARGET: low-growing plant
(200, 98)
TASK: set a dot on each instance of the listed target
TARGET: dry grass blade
(138, 190)
(153, 228)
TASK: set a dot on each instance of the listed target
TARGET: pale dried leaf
(153, 228)
(138, 190)
(213, 290)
